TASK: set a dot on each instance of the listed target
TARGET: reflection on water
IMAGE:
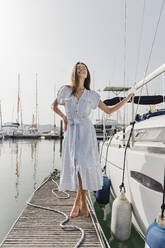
(34, 147)
(54, 149)
(17, 170)
(17, 149)
(24, 164)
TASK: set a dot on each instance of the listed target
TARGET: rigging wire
(122, 186)
(140, 39)
(163, 203)
(125, 41)
(125, 48)
(153, 42)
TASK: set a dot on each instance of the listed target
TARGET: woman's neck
(81, 83)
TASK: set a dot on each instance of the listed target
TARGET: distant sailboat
(11, 128)
(55, 133)
(18, 131)
(32, 132)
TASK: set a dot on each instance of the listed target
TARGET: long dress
(80, 148)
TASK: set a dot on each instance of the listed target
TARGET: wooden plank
(40, 228)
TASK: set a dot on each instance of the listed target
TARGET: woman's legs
(80, 197)
(76, 205)
(84, 207)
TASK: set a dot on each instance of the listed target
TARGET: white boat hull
(145, 201)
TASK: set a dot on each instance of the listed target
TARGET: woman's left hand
(130, 96)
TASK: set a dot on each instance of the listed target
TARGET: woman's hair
(75, 79)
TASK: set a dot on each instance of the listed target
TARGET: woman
(81, 169)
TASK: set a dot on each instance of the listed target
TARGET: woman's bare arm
(55, 108)
(108, 110)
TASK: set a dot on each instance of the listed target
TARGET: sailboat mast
(21, 115)
(54, 112)
(37, 115)
(20, 104)
(18, 100)
(0, 114)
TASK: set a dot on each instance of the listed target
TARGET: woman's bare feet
(75, 211)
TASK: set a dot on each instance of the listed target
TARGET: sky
(48, 37)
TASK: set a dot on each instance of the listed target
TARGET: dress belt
(75, 123)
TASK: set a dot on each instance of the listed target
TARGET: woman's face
(81, 71)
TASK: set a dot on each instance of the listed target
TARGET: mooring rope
(163, 203)
(122, 186)
(62, 223)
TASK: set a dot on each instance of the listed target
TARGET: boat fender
(155, 234)
(121, 218)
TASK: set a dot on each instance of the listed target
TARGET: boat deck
(40, 228)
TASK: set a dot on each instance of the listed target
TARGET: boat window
(147, 181)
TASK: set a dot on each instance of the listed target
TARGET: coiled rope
(62, 223)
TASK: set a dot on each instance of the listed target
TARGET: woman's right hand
(65, 123)
(130, 96)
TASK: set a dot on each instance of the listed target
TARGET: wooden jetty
(40, 228)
